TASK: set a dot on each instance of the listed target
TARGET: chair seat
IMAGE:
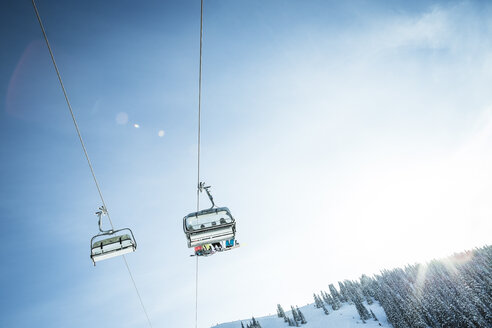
(112, 246)
(113, 253)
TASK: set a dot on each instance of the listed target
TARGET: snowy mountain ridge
(450, 292)
(345, 317)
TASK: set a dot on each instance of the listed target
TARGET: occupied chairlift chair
(209, 226)
(117, 243)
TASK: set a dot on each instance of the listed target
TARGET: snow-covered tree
(295, 315)
(280, 311)
(335, 297)
(325, 310)
(317, 301)
(301, 315)
(362, 310)
(373, 315)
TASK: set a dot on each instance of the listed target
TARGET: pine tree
(363, 313)
(303, 319)
(373, 315)
(280, 311)
(294, 314)
(325, 310)
(336, 297)
(317, 301)
(253, 324)
(344, 295)
(328, 299)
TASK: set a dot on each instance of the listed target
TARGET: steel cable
(198, 151)
(84, 149)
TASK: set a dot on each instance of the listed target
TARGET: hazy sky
(345, 137)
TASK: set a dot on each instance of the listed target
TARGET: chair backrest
(111, 240)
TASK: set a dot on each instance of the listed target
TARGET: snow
(345, 317)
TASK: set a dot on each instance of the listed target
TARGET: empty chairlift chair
(209, 226)
(111, 243)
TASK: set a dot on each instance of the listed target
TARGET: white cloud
(431, 30)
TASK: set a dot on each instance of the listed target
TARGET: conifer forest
(452, 292)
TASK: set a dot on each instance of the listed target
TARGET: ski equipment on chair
(211, 226)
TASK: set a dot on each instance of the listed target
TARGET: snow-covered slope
(345, 317)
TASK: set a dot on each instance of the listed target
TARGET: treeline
(297, 316)
(452, 292)
(350, 292)
(253, 324)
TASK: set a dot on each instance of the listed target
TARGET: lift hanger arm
(201, 187)
(102, 211)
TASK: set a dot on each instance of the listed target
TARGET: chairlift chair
(111, 243)
(209, 226)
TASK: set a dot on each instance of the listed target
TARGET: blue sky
(345, 138)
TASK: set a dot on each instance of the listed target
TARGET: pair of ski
(220, 250)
